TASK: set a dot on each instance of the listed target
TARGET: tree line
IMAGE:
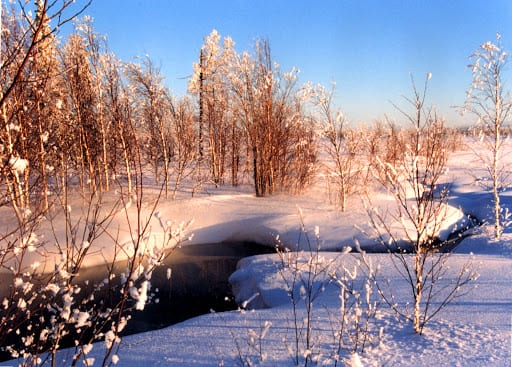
(74, 114)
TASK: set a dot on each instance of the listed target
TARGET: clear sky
(368, 47)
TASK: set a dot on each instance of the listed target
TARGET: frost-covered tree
(250, 110)
(83, 102)
(151, 102)
(51, 302)
(28, 93)
(44, 114)
(217, 127)
(28, 31)
(489, 100)
(410, 229)
(343, 146)
(119, 111)
(94, 43)
(185, 133)
(279, 134)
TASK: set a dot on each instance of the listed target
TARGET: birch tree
(490, 101)
(420, 212)
(343, 146)
(279, 135)
(217, 127)
(151, 105)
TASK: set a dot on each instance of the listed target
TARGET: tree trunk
(42, 162)
(418, 292)
(126, 158)
(495, 186)
(163, 141)
(495, 162)
(256, 173)
(201, 102)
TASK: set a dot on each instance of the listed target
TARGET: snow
(474, 330)
(18, 164)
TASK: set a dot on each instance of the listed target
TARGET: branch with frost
(418, 216)
(305, 274)
(352, 324)
(491, 104)
(32, 34)
(63, 306)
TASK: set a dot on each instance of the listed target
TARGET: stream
(198, 284)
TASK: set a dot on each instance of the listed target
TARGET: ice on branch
(140, 295)
(17, 164)
(52, 288)
(81, 318)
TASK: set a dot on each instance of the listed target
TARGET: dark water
(198, 284)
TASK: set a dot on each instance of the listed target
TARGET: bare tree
(28, 75)
(44, 114)
(51, 300)
(489, 100)
(41, 307)
(421, 211)
(120, 113)
(151, 101)
(184, 153)
(94, 45)
(33, 33)
(83, 103)
(343, 146)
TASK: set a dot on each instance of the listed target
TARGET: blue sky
(368, 47)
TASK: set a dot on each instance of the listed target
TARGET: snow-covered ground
(474, 330)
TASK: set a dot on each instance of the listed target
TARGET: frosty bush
(353, 323)
(68, 306)
(312, 328)
(344, 148)
(306, 274)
